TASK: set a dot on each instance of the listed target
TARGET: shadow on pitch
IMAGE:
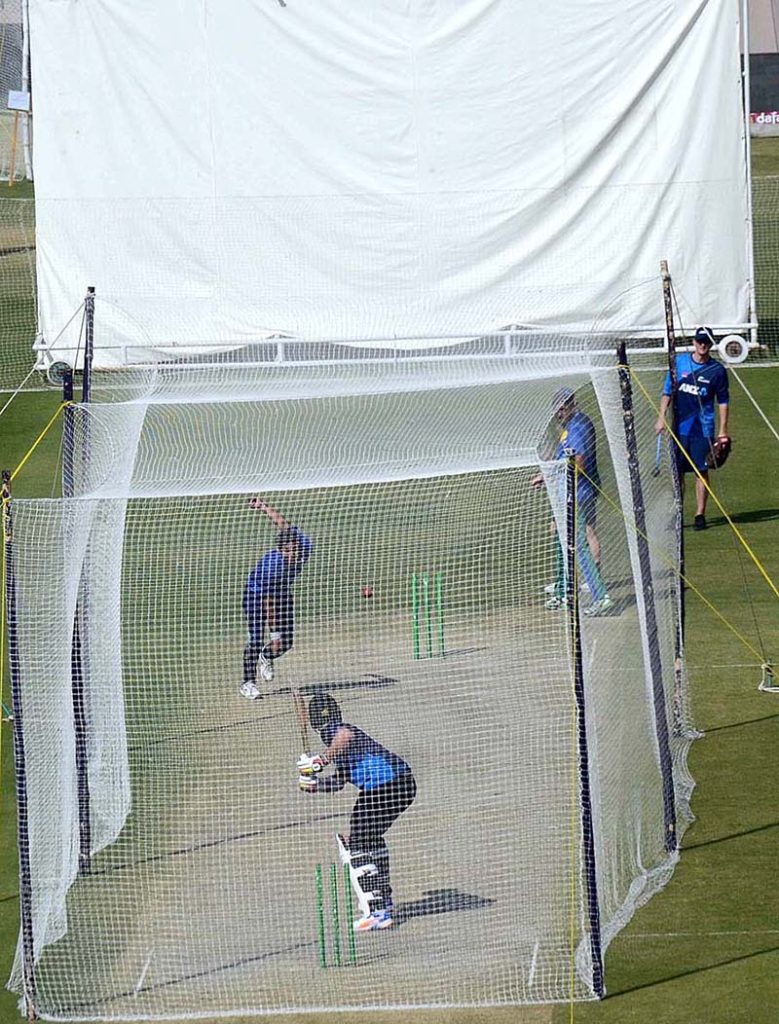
(209, 844)
(435, 901)
(208, 972)
(462, 650)
(370, 682)
(439, 901)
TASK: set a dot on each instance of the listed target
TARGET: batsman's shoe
(374, 922)
(266, 668)
(550, 588)
(601, 607)
(250, 691)
(555, 602)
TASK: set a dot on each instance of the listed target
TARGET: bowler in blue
(268, 600)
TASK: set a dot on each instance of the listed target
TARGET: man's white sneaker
(599, 607)
(250, 691)
(266, 669)
(550, 588)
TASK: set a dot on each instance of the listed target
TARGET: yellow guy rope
(38, 439)
(714, 497)
(670, 564)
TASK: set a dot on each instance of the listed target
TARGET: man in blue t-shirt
(268, 602)
(699, 380)
(386, 789)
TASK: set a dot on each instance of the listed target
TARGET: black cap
(705, 335)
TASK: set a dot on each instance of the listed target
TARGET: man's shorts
(697, 447)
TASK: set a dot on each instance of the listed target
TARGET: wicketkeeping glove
(310, 765)
(718, 452)
(307, 783)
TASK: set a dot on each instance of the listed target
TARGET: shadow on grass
(737, 725)
(757, 515)
(688, 974)
(733, 835)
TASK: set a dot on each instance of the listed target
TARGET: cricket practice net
(175, 869)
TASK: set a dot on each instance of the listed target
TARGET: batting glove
(310, 765)
(307, 784)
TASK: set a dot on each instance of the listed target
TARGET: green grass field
(707, 948)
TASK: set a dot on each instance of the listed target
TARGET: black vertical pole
(76, 657)
(648, 592)
(68, 438)
(22, 816)
(588, 832)
(681, 604)
(89, 344)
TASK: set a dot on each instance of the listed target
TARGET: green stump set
(427, 615)
(331, 952)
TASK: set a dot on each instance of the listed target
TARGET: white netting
(14, 126)
(18, 309)
(765, 221)
(153, 449)
(201, 898)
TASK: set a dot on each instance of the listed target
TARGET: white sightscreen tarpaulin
(223, 171)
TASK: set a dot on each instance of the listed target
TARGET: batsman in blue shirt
(386, 789)
(699, 381)
(268, 601)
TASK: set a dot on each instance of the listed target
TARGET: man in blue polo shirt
(699, 380)
(268, 601)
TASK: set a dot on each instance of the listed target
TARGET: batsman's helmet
(322, 710)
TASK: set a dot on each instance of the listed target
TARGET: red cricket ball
(367, 591)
